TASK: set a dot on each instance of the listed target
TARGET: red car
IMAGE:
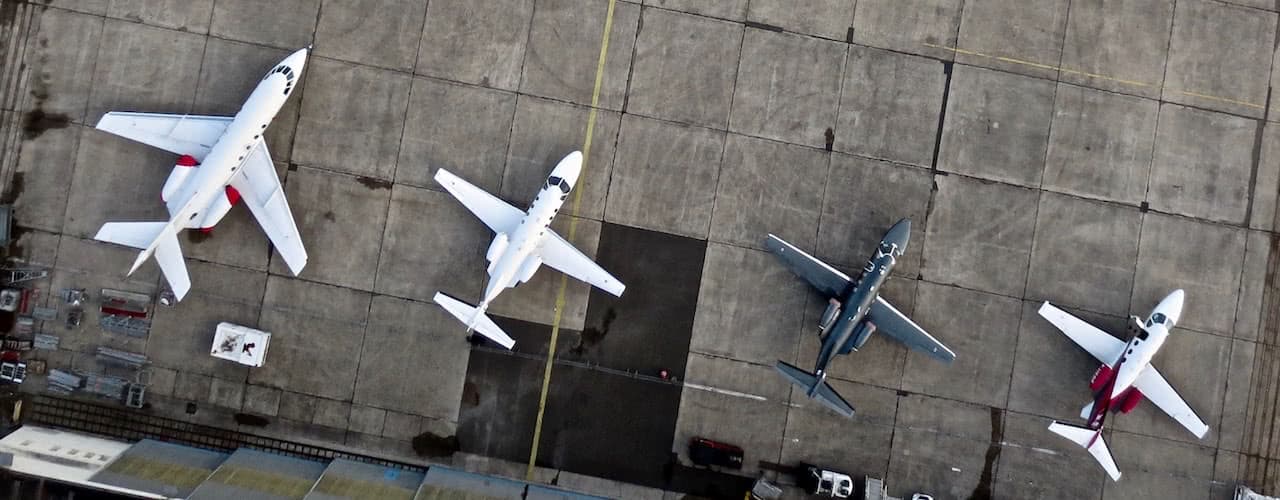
(706, 452)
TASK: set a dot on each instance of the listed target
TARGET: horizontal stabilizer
(817, 389)
(169, 256)
(475, 319)
(1091, 440)
(151, 237)
(138, 235)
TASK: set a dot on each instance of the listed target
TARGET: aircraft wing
(891, 322)
(191, 135)
(1154, 387)
(562, 255)
(1100, 344)
(261, 191)
(499, 215)
(826, 279)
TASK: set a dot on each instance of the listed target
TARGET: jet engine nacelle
(181, 170)
(1130, 401)
(218, 209)
(496, 248)
(530, 266)
(829, 315)
(861, 333)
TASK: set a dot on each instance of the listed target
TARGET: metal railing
(132, 425)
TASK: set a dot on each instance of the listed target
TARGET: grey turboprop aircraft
(854, 311)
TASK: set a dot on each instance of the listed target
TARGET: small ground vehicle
(823, 482)
(707, 452)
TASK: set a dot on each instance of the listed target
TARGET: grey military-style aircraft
(854, 311)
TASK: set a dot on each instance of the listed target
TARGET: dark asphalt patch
(597, 422)
(648, 328)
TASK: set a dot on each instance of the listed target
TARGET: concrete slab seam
(724, 146)
(573, 225)
(1060, 69)
(524, 57)
(405, 122)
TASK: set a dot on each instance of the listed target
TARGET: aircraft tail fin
(475, 319)
(158, 238)
(815, 388)
(1089, 439)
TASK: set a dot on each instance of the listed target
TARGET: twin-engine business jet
(523, 241)
(1126, 375)
(223, 160)
(854, 311)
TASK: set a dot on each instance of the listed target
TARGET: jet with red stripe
(223, 160)
(1125, 377)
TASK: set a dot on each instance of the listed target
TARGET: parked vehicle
(824, 482)
(706, 452)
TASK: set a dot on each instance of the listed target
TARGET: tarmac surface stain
(470, 395)
(15, 234)
(592, 335)
(432, 445)
(36, 122)
(251, 420)
(983, 490)
(197, 237)
(14, 190)
(9, 12)
(372, 183)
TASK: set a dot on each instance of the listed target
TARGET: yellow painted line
(1223, 99)
(573, 228)
(1135, 83)
(1033, 64)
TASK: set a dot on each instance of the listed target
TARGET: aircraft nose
(298, 59)
(569, 167)
(1171, 306)
(899, 234)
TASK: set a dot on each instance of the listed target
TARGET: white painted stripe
(725, 392)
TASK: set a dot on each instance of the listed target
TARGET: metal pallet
(125, 325)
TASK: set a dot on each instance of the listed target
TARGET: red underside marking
(187, 161)
(206, 230)
(232, 195)
(1101, 377)
(1102, 394)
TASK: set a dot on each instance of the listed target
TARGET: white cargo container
(241, 344)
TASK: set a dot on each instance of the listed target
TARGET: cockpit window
(1158, 319)
(558, 182)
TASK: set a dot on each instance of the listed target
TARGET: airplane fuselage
(849, 330)
(201, 199)
(513, 258)
(1137, 355)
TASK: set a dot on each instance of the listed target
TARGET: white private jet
(233, 165)
(1125, 376)
(523, 241)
